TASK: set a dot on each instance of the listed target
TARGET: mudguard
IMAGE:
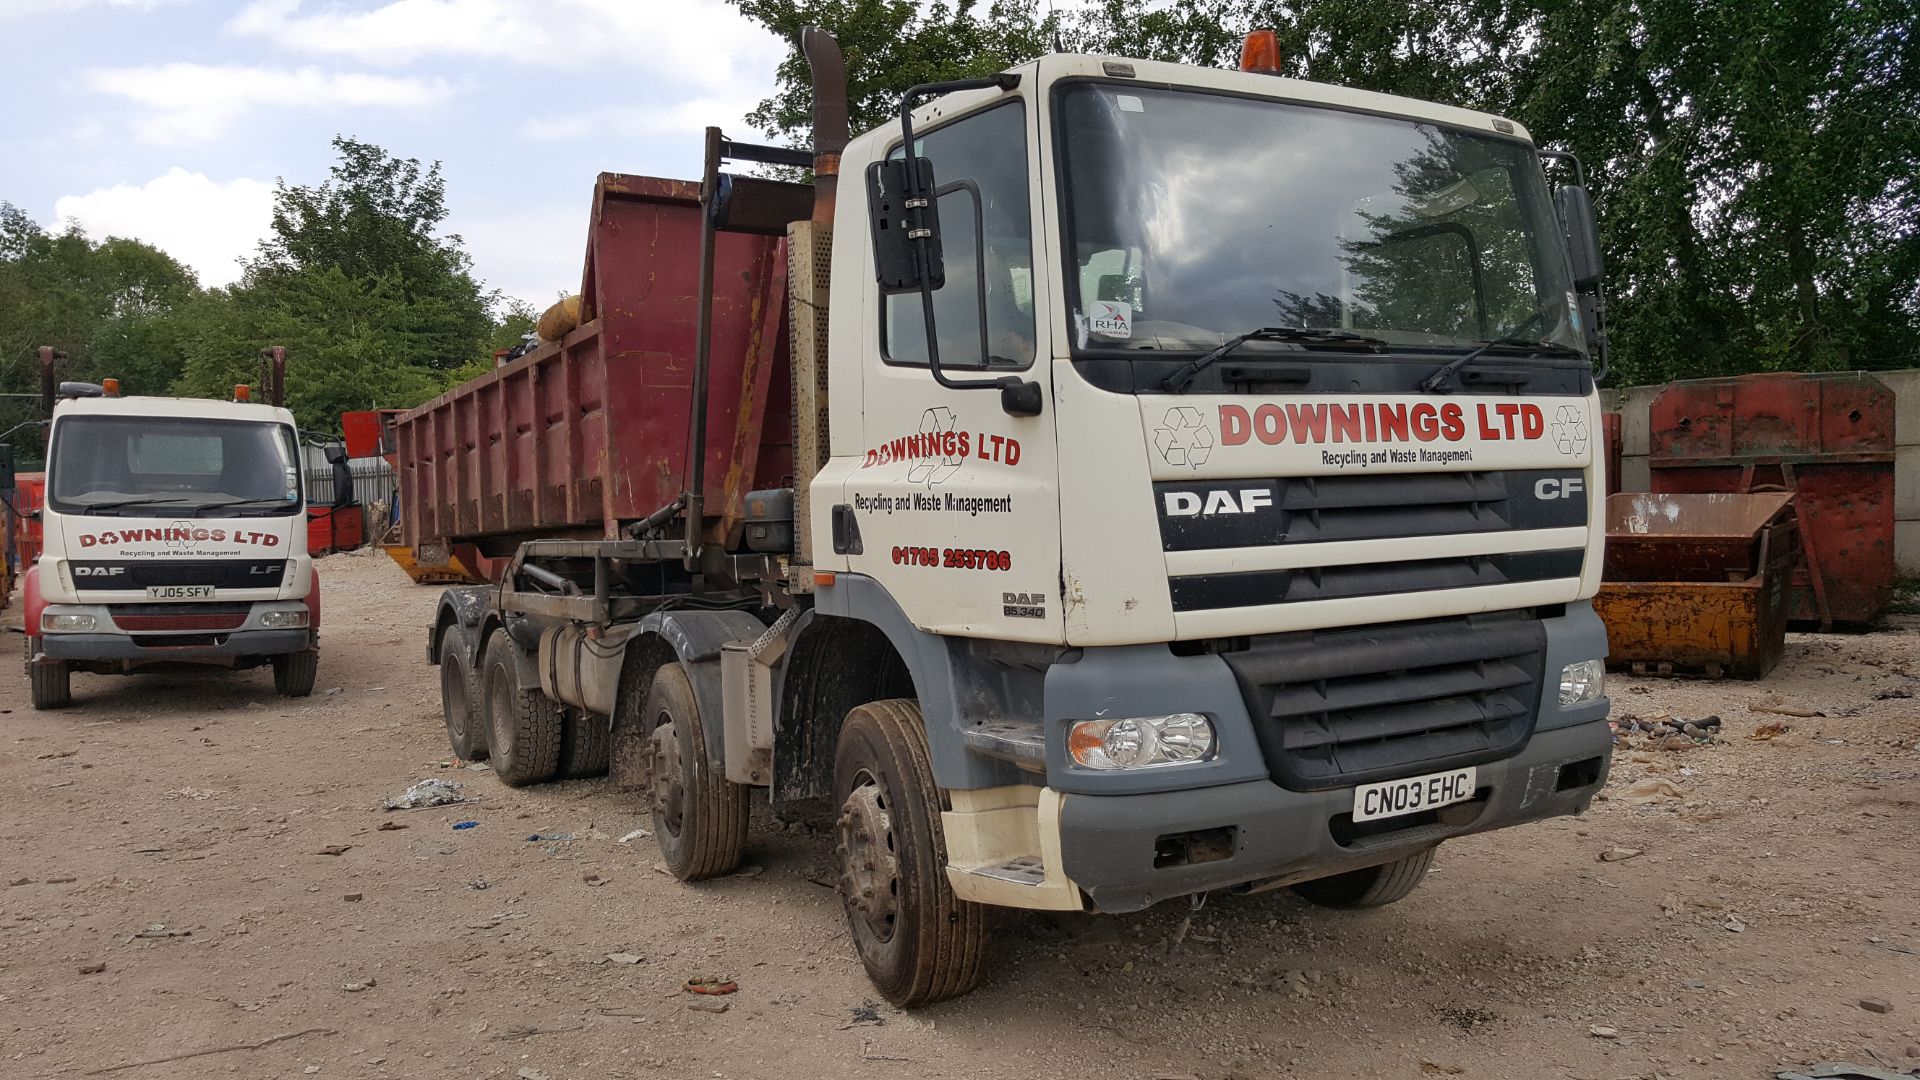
(696, 637)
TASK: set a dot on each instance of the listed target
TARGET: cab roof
(1121, 70)
(204, 408)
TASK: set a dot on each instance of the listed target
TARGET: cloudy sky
(168, 120)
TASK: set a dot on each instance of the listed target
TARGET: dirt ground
(223, 854)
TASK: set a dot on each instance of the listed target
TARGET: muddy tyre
(586, 743)
(50, 680)
(919, 942)
(461, 696)
(294, 673)
(523, 723)
(1375, 886)
(699, 816)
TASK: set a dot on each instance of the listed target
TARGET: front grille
(179, 641)
(138, 574)
(1200, 515)
(1205, 592)
(1333, 708)
(182, 617)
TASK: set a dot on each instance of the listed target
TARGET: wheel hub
(869, 869)
(666, 778)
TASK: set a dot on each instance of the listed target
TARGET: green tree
(111, 306)
(890, 46)
(375, 306)
(376, 217)
(1753, 161)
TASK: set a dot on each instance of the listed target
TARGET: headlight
(283, 620)
(1582, 682)
(57, 623)
(1140, 742)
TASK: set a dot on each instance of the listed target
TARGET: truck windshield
(1194, 217)
(163, 465)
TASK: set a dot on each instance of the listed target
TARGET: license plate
(1392, 798)
(179, 592)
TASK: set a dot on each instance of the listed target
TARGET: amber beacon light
(1261, 52)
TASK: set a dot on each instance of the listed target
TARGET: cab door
(955, 499)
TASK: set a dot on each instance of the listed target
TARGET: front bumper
(115, 647)
(1110, 844)
(1132, 838)
(222, 649)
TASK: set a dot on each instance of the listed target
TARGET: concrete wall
(1635, 437)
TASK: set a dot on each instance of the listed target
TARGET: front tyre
(51, 680)
(1374, 886)
(919, 942)
(699, 816)
(294, 673)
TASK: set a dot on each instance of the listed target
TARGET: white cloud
(196, 102)
(705, 44)
(678, 118)
(533, 255)
(204, 223)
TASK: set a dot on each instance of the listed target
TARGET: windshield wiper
(1180, 380)
(137, 500)
(1432, 383)
(230, 503)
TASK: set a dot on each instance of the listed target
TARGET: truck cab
(175, 537)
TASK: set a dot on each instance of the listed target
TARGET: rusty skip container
(583, 436)
(1698, 582)
(1828, 438)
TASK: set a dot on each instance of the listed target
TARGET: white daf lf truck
(175, 534)
(1196, 487)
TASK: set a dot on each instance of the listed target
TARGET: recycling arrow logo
(1183, 437)
(1570, 430)
(938, 420)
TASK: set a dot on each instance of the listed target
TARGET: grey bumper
(1108, 844)
(227, 647)
(1115, 826)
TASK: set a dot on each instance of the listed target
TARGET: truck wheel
(586, 743)
(1374, 886)
(460, 697)
(699, 816)
(51, 680)
(919, 942)
(523, 724)
(293, 673)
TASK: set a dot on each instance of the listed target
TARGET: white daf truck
(1194, 486)
(175, 538)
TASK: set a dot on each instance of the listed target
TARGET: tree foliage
(1754, 163)
(375, 305)
(891, 45)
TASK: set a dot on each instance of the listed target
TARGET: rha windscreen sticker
(1110, 318)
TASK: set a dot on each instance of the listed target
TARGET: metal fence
(373, 479)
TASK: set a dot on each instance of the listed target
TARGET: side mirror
(336, 453)
(1583, 238)
(905, 218)
(7, 482)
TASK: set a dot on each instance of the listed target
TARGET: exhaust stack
(276, 380)
(829, 117)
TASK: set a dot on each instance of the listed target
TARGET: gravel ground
(190, 863)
